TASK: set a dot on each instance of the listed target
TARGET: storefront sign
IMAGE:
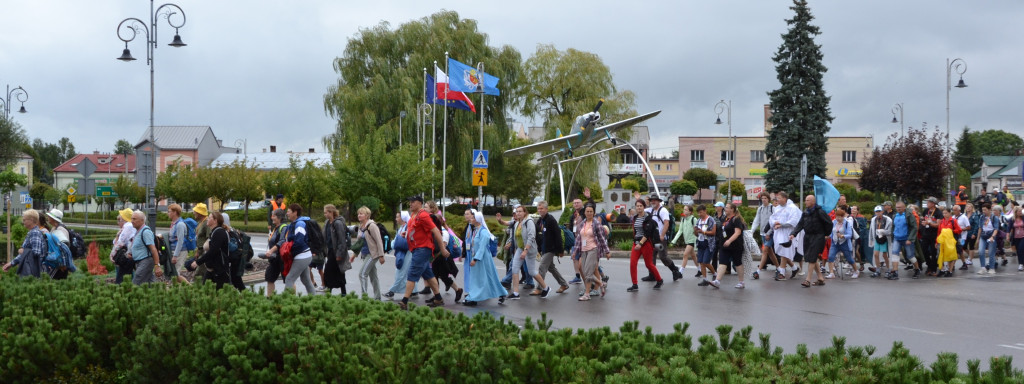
(758, 172)
(846, 172)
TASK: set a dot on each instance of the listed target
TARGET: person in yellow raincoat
(949, 230)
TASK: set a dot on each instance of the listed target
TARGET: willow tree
(381, 75)
(560, 85)
(800, 107)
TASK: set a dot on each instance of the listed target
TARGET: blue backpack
(568, 238)
(58, 255)
(492, 246)
(190, 237)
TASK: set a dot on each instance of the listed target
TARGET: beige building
(747, 163)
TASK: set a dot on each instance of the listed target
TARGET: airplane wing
(560, 143)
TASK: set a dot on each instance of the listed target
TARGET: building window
(849, 156)
(657, 167)
(756, 156)
(697, 155)
(22, 170)
(668, 167)
(727, 156)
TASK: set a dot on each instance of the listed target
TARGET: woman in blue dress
(482, 281)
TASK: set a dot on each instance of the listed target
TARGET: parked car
(259, 204)
(233, 206)
(537, 200)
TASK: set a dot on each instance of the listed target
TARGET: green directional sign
(105, 192)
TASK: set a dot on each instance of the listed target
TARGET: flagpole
(444, 151)
(480, 68)
(433, 140)
(419, 115)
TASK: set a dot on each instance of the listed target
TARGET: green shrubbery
(81, 330)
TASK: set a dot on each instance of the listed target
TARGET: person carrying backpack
(144, 252)
(551, 245)
(237, 256)
(215, 253)
(302, 256)
(176, 245)
(645, 232)
(663, 218)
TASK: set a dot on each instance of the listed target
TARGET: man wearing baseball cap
(661, 216)
(422, 234)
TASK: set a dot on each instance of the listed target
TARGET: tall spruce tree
(800, 108)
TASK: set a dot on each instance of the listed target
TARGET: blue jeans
(420, 268)
(400, 276)
(985, 246)
(907, 250)
(525, 275)
(844, 248)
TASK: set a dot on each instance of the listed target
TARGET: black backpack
(77, 244)
(315, 237)
(385, 237)
(161, 248)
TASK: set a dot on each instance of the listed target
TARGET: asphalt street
(975, 316)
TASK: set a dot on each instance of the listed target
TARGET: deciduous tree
(702, 177)
(800, 107)
(683, 188)
(912, 167)
(12, 141)
(124, 147)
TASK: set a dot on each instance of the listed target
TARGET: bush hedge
(81, 330)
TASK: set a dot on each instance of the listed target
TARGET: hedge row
(81, 330)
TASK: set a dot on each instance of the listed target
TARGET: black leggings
(444, 269)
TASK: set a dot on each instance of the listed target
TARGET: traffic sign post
(105, 191)
(480, 177)
(86, 168)
(803, 178)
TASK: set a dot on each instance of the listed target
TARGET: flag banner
(467, 79)
(435, 95)
(826, 193)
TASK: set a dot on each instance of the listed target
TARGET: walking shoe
(562, 289)
(469, 303)
(697, 275)
(1004, 262)
(403, 305)
(872, 269)
(992, 271)
(536, 292)
(909, 267)
(801, 272)
(389, 294)
(875, 275)
(545, 292)
(823, 270)
(605, 278)
(894, 276)
(715, 284)
(795, 271)
(703, 283)
(739, 286)
(515, 296)
(917, 274)
(676, 275)
(983, 271)
(594, 292)
(436, 302)
(963, 267)
(658, 284)
(647, 278)
(855, 275)
(969, 262)
(501, 299)
(458, 294)
(779, 277)
(633, 288)
(756, 275)
(830, 276)
(425, 291)
(528, 286)
(575, 281)
(1020, 267)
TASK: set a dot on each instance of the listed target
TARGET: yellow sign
(480, 177)
(71, 190)
(71, 198)
(758, 171)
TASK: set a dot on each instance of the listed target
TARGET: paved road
(975, 316)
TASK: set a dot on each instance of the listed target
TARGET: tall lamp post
(959, 66)
(21, 95)
(127, 30)
(401, 116)
(724, 106)
(898, 107)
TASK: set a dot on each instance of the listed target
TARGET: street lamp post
(401, 116)
(959, 66)
(898, 107)
(127, 30)
(18, 93)
(21, 95)
(724, 106)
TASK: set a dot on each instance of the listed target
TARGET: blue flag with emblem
(464, 78)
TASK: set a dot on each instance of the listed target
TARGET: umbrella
(828, 195)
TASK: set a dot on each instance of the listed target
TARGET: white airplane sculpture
(584, 131)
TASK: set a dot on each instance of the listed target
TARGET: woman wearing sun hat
(123, 240)
(199, 212)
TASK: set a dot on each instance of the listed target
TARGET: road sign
(480, 159)
(71, 198)
(480, 177)
(105, 192)
(25, 198)
(71, 190)
(86, 185)
(28, 203)
(86, 167)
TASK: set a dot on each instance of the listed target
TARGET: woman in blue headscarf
(482, 281)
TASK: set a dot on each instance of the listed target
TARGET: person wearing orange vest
(962, 199)
(277, 203)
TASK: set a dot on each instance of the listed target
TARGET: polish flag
(441, 81)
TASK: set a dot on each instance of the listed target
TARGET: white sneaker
(855, 275)
(716, 284)
(992, 271)
(830, 276)
(801, 273)
(982, 271)
(739, 286)
(1020, 267)
(969, 262)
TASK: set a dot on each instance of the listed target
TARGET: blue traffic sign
(480, 158)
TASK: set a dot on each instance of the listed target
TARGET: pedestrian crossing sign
(480, 177)
(480, 158)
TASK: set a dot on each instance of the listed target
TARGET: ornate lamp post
(18, 93)
(898, 107)
(723, 106)
(127, 30)
(959, 66)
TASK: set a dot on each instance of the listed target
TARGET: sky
(257, 70)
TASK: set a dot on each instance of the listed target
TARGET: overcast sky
(259, 69)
